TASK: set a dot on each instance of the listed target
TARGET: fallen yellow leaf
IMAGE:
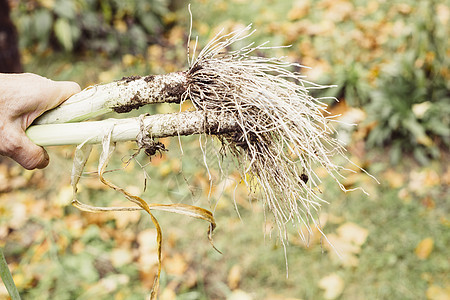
(175, 265)
(234, 277)
(435, 292)
(128, 60)
(239, 295)
(278, 297)
(300, 10)
(420, 180)
(395, 179)
(346, 244)
(353, 233)
(443, 13)
(424, 248)
(121, 26)
(120, 257)
(310, 236)
(333, 285)
(148, 248)
(19, 211)
(168, 294)
(64, 196)
(106, 285)
(124, 219)
(342, 251)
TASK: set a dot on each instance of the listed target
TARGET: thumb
(59, 92)
(51, 94)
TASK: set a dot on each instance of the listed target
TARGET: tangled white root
(284, 132)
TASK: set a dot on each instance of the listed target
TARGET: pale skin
(23, 98)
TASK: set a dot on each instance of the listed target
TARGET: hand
(23, 98)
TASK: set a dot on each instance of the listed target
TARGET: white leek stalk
(120, 96)
(156, 126)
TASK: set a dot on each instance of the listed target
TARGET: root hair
(284, 132)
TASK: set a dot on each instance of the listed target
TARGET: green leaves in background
(411, 102)
(63, 33)
(112, 27)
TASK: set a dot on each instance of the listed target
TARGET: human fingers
(15, 144)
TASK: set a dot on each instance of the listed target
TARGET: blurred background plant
(390, 60)
(110, 27)
(411, 101)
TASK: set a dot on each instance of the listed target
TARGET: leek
(156, 126)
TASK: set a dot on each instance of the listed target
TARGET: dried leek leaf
(82, 154)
